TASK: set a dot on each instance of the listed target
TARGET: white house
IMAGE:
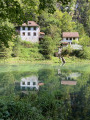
(30, 32)
(68, 37)
(71, 38)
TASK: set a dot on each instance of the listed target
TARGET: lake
(62, 92)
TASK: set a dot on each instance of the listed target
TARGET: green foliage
(67, 50)
(6, 52)
(30, 51)
(47, 47)
(75, 41)
(86, 53)
(85, 40)
(53, 16)
(12, 10)
(6, 32)
(83, 14)
(67, 24)
(16, 47)
(15, 110)
(51, 4)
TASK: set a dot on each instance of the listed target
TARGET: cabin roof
(70, 34)
(30, 23)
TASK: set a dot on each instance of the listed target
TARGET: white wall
(70, 41)
(30, 38)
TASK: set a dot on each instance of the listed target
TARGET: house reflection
(29, 83)
(68, 79)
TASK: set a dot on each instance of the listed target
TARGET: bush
(47, 47)
(86, 52)
(67, 50)
(19, 110)
(77, 53)
(30, 53)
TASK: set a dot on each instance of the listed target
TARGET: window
(23, 33)
(66, 38)
(34, 28)
(29, 33)
(23, 83)
(23, 28)
(70, 38)
(73, 38)
(34, 83)
(29, 28)
(34, 34)
(28, 83)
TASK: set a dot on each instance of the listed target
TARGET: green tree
(47, 47)
(6, 32)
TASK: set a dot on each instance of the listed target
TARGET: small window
(70, 38)
(73, 38)
(29, 34)
(66, 38)
(23, 28)
(34, 83)
(23, 33)
(29, 28)
(23, 83)
(28, 83)
(34, 33)
(34, 28)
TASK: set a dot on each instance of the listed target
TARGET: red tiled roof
(42, 33)
(40, 84)
(30, 23)
(70, 34)
(64, 42)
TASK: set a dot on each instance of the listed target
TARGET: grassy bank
(54, 60)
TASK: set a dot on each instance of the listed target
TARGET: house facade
(69, 37)
(30, 32)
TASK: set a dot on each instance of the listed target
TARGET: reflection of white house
(30, 32)
(74, 75)
(69, 79)
(29, 83)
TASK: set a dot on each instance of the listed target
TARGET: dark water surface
(72, 82)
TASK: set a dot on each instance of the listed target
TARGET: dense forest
(54, 17)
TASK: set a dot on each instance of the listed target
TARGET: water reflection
(68, 82)
(69, 79)
(65, 90)
(29, 83)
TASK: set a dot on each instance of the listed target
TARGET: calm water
(72, 81)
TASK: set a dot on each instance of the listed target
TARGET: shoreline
(54, 60)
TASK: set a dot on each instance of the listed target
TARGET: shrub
(67, 50)
(86, 52)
